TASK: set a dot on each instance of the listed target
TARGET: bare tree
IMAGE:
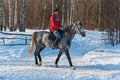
(72, 11)
(44, 14)
(11, 15)
(68, 12)
(16, 15)
(92, 13)
(52, 6)
(63, 12)
(99, 19)
(4, 20)
(23, 16)
(1, 15)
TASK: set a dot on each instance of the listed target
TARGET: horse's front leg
(58, 57)
(69, 58)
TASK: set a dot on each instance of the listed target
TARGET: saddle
(52, 36)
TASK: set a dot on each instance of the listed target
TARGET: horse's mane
(68, 28)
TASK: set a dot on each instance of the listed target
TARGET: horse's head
(79, 29)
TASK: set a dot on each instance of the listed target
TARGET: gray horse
(44, 39)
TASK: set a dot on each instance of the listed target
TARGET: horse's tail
(31, 45)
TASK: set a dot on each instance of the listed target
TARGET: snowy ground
(92, 58)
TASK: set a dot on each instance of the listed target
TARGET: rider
(55, 26)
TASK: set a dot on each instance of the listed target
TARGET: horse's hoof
(56, 66)
(73, 68)
(40, 63)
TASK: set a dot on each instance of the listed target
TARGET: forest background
(35, 14)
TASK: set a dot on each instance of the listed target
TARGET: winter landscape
(93, 58)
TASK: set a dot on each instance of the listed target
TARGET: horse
(43, 39)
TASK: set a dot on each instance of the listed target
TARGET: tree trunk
(44, 14)
(68, 12)
(16, 15)
(63, 12)
(72, 11)
(4, 21)
(56, 4)
(23, 16)
(1, 15)
(11, 15)
(52, 6)
(99, 18)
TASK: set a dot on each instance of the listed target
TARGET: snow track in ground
(92, 59)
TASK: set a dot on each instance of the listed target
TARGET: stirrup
(55, 44)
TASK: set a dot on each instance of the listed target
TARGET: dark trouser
(58, 35)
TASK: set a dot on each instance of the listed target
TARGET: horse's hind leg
(40, 60)
(39, 56)
(58, 57)
(36, 55)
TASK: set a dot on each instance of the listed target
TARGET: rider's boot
(56, 43)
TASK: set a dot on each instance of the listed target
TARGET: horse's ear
(78, 22)
(74, 23)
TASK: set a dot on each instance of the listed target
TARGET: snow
(93, 58)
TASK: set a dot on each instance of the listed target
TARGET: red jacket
(54, 22)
